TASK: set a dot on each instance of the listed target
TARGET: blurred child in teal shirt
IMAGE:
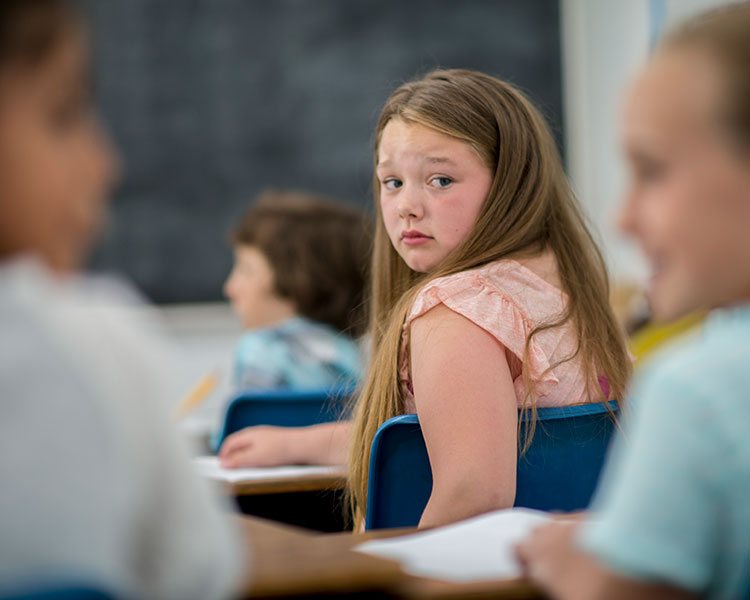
(673, 511)
(297, 285)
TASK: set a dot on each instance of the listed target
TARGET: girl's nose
(410, 204)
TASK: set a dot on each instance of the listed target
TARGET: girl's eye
(392, 184)
(651, 172)
(648, 170)
(441, 182)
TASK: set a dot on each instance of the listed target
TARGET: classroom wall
(212, 100)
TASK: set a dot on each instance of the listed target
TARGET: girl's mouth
(414, 238)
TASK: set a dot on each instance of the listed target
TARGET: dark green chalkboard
(211, 100)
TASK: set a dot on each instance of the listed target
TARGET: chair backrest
(284, 407)
(559, 471)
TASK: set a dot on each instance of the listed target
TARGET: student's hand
(261, 446)
(546, 554)
(551, 560)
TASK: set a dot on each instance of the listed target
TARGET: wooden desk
(286, 485)
(310, 501)
(289, 561)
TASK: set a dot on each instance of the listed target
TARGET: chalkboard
(209, 101)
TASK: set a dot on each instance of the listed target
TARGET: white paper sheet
(208, 466)
(477, 549)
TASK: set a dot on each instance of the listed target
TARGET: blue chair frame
(284, 407)
(559, 470)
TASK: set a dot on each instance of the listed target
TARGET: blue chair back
(284, 407)
(559, 470)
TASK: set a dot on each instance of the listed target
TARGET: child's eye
(648, 170)
(69, 114)
(651, 172)
(441, 182)
(392, 183)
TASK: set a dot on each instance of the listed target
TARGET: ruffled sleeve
(483, 302)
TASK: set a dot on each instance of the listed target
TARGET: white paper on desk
(208, 466)
(473, 550)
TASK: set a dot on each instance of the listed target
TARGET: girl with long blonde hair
(488, 295)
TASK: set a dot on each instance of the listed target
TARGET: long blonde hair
(529, 208)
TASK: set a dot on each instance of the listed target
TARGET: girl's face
(251, 290)
(432, 189)
(688, 202)
(56, 167)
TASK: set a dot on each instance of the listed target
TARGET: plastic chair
(559, 471)
(283, 407)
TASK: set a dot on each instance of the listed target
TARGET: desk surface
(285, 485)
(289, 561)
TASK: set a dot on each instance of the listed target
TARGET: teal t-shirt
(296, 353)
(674, 502)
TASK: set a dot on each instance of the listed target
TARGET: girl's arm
(265, 446)
(468, 412)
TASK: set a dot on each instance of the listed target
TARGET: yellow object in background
(198, 394)
(648, 339)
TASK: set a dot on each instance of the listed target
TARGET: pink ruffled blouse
(507, 300)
